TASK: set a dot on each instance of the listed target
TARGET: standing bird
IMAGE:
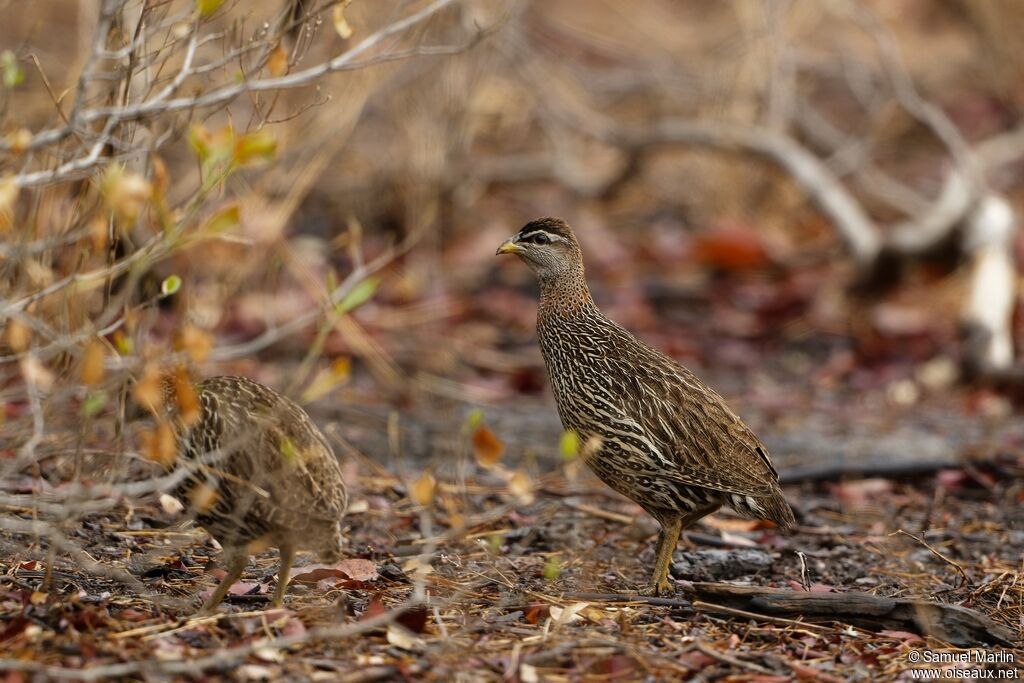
(261, 474)
(656, 433)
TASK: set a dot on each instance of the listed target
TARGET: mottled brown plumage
(262, 474)
(658, 434)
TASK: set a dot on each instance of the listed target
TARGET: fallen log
(958, 626)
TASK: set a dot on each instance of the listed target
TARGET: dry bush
(155, 154)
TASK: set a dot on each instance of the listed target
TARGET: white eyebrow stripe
(550, 235)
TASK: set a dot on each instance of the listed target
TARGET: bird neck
(567, 294)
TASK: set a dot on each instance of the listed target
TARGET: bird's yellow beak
(508, 247)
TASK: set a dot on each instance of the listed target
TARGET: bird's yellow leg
(668, 537)
(236, 567)
(283, 571)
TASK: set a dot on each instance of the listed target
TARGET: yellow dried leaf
(159, 444)
(20, 140)
(520, 485)
(160, 177)
(170, 504)
(341, 25)
(92, 370)
(404, 639)
(185, 398)
(8, 200)
(591, 447)
(201, 140)
(126, 194)
(258, 145)
(195, 342)
(202, 497)
(341, 368)
(224, 219)
(18, 335)
(487, 448)
(35, 373)
(327, 379)
(148, 391)
(423, 489)
(277, 62)
(99, 234)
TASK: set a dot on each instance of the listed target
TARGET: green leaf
(288, 451)
(94, 403)
(473, 420)
(569, 446)
(208, 7)
(170, 285)
(13, 74)
(359, 295)
(494, 542)
(552, 568)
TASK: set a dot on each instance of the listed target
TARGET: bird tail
(771, 507)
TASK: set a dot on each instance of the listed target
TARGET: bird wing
(703, 442)
(272, 443)
(306, 479)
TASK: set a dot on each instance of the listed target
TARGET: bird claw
(654, 589)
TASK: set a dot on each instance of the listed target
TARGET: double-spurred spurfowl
(650, 428)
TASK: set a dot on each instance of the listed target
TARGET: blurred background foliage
(333, 234)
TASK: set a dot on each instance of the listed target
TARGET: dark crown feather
(554, 226)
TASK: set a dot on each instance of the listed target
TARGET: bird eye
(540, 238)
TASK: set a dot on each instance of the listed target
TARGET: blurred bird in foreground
(650, 428)
(261, 474)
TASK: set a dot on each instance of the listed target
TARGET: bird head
(548, 246)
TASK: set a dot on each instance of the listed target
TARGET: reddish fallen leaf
(695, 660)
(317, 574)
(730, 249)
(293, 627)
(238, 588)
(862, 490)
(905, 636)
(30, 566)
(245, 588)
(615, 665)
(897, 320)
(952, 480)
(414, 619)
(487, 447)
(810, 673)
(536, 614)
(14, 628)
(355, 569)
(374, 608)
(131, 614)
